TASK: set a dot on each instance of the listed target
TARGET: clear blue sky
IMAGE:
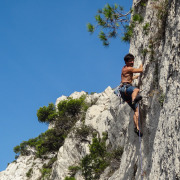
(46, 52)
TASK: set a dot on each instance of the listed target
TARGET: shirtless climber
(128, 92)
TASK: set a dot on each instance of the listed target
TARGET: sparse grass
(162, 12)
(162, 8)
(144, 52)
(146, 28)
(161, 98)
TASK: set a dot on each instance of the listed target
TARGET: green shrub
(146, 28)
(29, 173)
(143, 4)
(73, 170)
(161, 98)
(69, 178)
(45, 173)
(51, 162)
(50, 141)
(152, 52)
(137, 18)
(71, 107)
(83, 131)
(16, 149)
(144, 52)
(64, 125)
(16, 156)
(93, 164)
(47, 168)
(47, 114)
(92, 93)
(21, 149)
(64, 120)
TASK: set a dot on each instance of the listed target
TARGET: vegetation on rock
(112, 21)
(69, 111)
(47, 168)
(29, 173)
(94, 163)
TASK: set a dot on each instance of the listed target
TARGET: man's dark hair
(128, 57)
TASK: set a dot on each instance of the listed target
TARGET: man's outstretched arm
(136, 70)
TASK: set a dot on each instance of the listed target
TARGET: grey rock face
(160, 88)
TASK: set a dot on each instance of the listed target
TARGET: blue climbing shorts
(126, 94)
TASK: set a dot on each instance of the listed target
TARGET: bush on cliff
(72, 107)
(47, 114)
(94, 164)
(49, 141)
(64, 119)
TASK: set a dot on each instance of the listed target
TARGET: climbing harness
(122, 87)
(117, 91)
(140, 144)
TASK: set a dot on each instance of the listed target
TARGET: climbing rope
(140, 144)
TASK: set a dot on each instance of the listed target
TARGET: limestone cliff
(156, 44)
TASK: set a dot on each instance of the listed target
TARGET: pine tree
(112, 21)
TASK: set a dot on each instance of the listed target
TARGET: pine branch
(111, 21)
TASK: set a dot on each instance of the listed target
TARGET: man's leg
(134, 94)
(136, 116)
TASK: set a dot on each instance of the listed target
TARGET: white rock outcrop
(18, 170)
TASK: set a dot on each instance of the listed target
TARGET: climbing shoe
(135, 130)
(139, 133)
(137, 99)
